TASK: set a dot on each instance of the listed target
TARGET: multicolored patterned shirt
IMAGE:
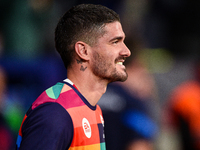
(60, 119)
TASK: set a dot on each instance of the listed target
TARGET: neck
(88, 84)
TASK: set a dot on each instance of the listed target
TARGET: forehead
(113, 29)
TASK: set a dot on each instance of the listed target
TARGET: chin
(120, 78)
(123, 79)
(123, 76)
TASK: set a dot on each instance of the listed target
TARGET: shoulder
(49, 113)
(49, 121)
(52, 94)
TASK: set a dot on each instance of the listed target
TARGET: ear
(81, 49)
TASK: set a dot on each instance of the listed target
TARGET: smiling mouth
(119, 63)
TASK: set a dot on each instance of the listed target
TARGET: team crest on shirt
(86, 128)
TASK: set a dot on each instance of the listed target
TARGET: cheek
(109, 60)
(105, 56)
(105, 62)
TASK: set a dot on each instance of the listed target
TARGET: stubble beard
(102, 69)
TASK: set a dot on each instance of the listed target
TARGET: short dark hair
(84, 22)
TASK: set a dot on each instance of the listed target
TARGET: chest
(88, 128)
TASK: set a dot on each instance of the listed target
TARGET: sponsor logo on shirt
(86, 128)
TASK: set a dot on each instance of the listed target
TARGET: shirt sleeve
(49, 126)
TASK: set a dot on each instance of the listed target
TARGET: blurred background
(159, 108)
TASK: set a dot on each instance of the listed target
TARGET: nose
(125, 52)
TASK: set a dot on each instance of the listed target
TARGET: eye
(115, 41)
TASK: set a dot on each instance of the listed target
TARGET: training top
(61, 119)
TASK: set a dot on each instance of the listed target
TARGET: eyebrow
(116, 38)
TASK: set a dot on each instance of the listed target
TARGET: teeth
(120, 63)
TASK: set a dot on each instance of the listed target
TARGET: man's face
(109, 54)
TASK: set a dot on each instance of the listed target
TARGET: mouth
(119, 63)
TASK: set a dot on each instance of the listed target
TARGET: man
(90, 40)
